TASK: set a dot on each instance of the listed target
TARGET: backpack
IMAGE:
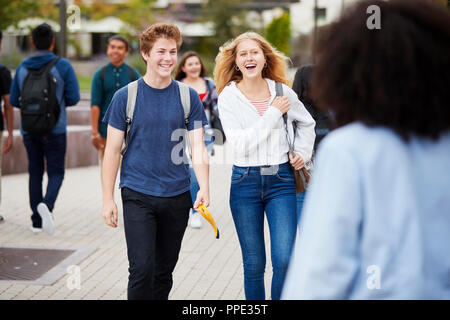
(39, 106)
(131, 102)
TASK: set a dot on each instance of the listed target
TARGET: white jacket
(261, 140)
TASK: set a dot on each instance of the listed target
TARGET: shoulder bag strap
(131, 103)
(185, 97)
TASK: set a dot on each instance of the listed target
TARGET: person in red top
(192, 71)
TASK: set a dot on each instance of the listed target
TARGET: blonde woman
(262, 179)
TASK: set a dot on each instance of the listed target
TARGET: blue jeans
(300, 201)
(50, 148)
(255, 191)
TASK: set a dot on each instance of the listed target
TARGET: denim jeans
(300, 201)
(154, 229)
(254, 190)
(50, 149)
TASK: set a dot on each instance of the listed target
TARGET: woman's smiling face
(192, 67)
(250, 58)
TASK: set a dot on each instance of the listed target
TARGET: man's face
(116, 51)
(162, 58)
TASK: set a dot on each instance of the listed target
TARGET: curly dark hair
(397, 76)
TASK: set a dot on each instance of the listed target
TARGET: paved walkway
(207, 268)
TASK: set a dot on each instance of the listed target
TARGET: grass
(85, 83)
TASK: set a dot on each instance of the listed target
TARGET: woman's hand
(296, 161)
(282, 104)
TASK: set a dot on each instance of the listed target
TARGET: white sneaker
(35, 230)
(195, 221)
(48, 224)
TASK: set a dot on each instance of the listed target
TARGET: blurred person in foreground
(384, 172)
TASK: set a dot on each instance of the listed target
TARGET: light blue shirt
(376, 221)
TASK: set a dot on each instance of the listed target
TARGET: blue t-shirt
(151, 164)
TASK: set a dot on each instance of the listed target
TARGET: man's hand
(8, 144)
(296, 161)
(110, 213)
(98, 142)
(202, 198)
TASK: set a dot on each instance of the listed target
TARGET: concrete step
(80, 152)
(76, 115)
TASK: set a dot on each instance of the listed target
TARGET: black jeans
(50, 149)
(154, 229)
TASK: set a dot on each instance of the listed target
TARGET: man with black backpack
(105, 82)
(43, 87)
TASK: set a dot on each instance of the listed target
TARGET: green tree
(278, 33)
(228, 18)
(137, 13)
(11, 12)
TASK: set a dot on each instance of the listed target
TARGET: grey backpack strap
(185, 97)
(278, 89)
(131, 103)
(279, 93)
(185, 100)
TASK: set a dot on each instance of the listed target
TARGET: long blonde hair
(225, 69)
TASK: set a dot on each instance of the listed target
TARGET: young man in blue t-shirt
(155, 185)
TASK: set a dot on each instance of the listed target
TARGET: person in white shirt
(376, 221)
(262, 179)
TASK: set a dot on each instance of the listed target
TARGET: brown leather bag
(302, 176)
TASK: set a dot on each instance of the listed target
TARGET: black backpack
(39, 106)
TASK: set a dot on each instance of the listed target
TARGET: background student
(105, 82)
(192, 71)
(8, 114)
(45, 150)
